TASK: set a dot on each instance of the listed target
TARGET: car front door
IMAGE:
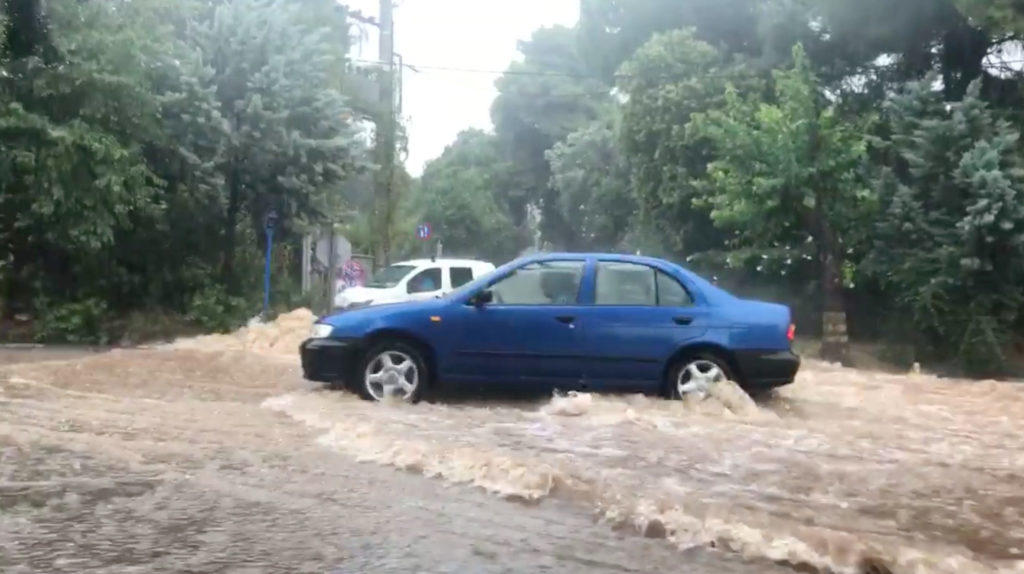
(639, 318)
(526, 334)
(425, 284)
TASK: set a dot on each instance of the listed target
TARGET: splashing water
(280, 337)
(845, 471)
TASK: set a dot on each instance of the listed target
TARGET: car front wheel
(393, 370)
(694, 375)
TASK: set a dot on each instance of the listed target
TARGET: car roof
(466, 262)
(538, 257)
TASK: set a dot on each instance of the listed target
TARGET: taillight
(791, 333)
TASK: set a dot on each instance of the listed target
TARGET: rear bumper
(328, 360)
(767, 369)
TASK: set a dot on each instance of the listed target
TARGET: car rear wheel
(393, 370)
(693, 375)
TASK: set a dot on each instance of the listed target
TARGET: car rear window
(625, 284)
(638, 285)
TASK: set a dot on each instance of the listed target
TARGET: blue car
(570, 321)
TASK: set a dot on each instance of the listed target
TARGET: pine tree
(951, 238)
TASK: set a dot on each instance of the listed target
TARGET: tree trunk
(230, 228)
(834, 338)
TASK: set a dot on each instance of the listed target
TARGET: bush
(81, 323)
(214, 310)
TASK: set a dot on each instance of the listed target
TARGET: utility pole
(383, 208)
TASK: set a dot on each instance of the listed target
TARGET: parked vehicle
(572, 321)
(412, 281)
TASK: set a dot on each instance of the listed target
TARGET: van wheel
(393, 370)
(693, 375)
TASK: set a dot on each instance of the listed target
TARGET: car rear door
(527, 334)
(639, 317)
(459, 275)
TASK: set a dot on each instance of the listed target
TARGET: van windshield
(389, 277)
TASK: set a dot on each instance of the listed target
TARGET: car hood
(363, 294)
(367, 315)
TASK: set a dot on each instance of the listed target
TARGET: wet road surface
(225, 461)
(164, 461)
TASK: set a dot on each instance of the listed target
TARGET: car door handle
(567, 319)
(683, 320)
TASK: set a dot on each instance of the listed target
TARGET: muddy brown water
(186, 460)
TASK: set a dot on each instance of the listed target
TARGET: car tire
(694, 372)
(392, 368)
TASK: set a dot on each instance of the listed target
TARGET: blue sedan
(570, 321)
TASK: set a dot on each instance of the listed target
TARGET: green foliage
(457, 194)
(611, 31)
(213, 309)
(667, 81)
(542, 100)
(79, 323)
(950, 243)
(142, 141)
(1000, 15)
(591, 178)
(780, 164)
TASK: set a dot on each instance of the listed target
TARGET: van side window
(460, 276)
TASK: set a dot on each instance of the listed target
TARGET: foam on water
(620, 456)
(280, 337)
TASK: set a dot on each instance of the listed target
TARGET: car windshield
(389, 276)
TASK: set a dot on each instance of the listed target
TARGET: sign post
(269, 223)
(424, 232)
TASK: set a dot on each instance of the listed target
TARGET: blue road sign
(423, 231)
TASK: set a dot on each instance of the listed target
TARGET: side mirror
(482, 298)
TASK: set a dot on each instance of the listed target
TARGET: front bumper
(767, 369)
(328, 360)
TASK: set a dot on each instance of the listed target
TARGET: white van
(412, 281)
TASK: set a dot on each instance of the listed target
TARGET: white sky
(474, 34)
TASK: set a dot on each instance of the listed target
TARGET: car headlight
(321, 331)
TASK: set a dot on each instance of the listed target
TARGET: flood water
(226, 461)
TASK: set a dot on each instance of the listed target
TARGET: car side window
(671, 293)
(542, 283)
(460, 276)
(425, 281)
(625, 284)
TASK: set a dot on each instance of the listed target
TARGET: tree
(457, 195)
(122, 124)
(591, 179)
(950, 241)
(25, 31)
(289, 134)
(668, 80)
(1006, 16)
(787, 172)
(611, 31)
(72, 171)
(541, 101)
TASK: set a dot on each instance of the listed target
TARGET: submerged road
(213, 459)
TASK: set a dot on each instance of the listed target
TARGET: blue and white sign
(424, 232)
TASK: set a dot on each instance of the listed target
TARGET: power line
(551, 74)
(418, 67)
